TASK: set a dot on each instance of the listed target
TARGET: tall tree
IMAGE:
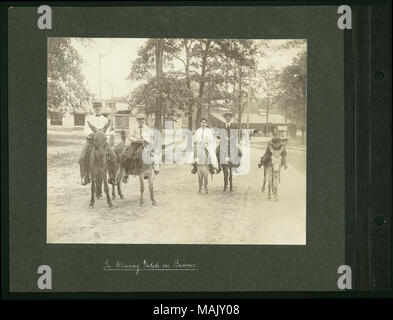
(182, 50)
(159, 52)
(239, 62)
(67, 88)
(153, 66)
(164, 91)
(269, 87)
(292, 100)
(202, 50)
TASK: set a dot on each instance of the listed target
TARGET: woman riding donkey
(273, 159)
(99, 122)
(204, 156)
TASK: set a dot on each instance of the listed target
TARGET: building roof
(256, 118)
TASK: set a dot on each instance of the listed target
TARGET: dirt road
(182, 216)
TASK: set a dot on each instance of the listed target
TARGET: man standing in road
(228, 146)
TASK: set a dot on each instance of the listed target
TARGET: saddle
(133, 163)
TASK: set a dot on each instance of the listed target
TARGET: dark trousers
(83, 159)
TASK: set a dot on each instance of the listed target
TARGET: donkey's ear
(92, 127)
(106, 126)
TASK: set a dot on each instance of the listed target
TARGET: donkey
(145, 171)
(273, 172)
(116, 171)
(227, 168)
(97, 162)
(203, 170)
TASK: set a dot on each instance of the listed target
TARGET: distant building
(115, 109)
(258, 123)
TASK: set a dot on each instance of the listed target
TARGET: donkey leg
(269, 187)
(153, 201)
(264, 179)
(119, 190)
(205, 178)
(142, 188)
(225, 170)
(98, 188)
(120, 177)
(92, 192)
(230, 179)
(113, 192)
(108, 197)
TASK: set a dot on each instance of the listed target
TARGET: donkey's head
(99, 139)
(276, 157)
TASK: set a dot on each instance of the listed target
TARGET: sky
(119, 53)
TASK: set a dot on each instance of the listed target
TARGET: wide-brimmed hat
(140, 116)
(228, 113)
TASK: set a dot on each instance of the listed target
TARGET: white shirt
(98, 121)
(228, 124)
(204, 136)
(144, 133)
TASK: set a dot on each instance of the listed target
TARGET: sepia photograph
(176, 141)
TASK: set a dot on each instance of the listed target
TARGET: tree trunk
(239, 99)
(188, 83)
(159, 63)
(202, 84)
(267, 113)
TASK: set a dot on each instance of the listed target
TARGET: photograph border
(349, 250)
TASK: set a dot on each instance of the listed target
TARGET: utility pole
(249, 104)
(99, 76)
(112, 84)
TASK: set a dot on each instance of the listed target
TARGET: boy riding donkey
(139, 137)
(274, 157)
(99, 121)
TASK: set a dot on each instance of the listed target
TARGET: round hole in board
(379, 220)
(379, 75)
